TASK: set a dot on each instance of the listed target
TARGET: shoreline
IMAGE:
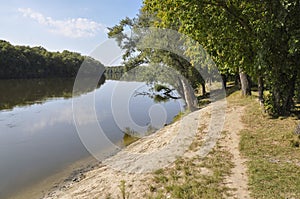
(136, 163)
(76, 172)
(64, 177)
(40, 188)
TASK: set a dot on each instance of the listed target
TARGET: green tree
(37, 62)
(135, 56)
(259, 38)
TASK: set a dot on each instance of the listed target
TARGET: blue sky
(76, 25)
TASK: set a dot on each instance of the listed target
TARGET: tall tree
(135, 56)
(259, 38)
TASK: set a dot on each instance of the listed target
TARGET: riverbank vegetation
(270, 145)
(273, 160)
(23, 62)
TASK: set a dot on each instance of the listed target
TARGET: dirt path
(238, 180)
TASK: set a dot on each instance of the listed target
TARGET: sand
(137, 162)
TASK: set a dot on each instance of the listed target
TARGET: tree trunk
(282, 95)
(203, 89)
(245, 83)
(237, 80)
(291, 94)
(224, 79)
(190, 98)
(261, 89)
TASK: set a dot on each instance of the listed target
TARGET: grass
(272, 151)
(122, 187)
(198, 141)
(193, 178)
(270, 146)
(180, 115)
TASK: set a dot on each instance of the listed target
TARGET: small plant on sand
(178, 116)
(122, 188)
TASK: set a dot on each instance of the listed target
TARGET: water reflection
(21, 92)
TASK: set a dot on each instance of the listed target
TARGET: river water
(38, 136)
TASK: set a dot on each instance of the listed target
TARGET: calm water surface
(38, 137)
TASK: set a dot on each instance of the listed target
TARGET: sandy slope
(135, 164)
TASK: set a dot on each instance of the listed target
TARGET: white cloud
(74, 28)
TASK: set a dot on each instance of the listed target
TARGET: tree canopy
(36, 62)
(258, 38)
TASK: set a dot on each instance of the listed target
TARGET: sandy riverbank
(136, 163)
(72, 172)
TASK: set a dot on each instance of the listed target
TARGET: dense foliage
(258, 39)
(37, 62)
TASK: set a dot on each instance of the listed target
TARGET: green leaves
(260, 37)
(37, 62)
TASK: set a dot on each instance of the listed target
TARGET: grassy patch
(198, 141)
(122, 187)
(271, 149)
(194, 178)
(180, 115)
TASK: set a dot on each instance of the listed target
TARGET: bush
(268, 104)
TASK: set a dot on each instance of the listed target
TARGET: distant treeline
(36, 62)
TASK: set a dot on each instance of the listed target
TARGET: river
(38, 136)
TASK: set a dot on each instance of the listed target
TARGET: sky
(57, 25)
